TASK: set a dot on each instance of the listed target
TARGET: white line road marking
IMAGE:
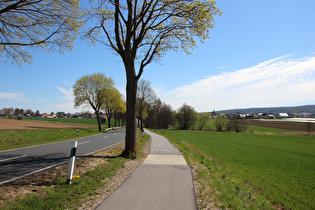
(83, 142)
(13, 158)
(105, 137)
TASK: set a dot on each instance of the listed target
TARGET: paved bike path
(163, 181)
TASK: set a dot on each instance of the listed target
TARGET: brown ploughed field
(282, 125)
(10, 124)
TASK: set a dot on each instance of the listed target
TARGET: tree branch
(109, 39)
(117, 37)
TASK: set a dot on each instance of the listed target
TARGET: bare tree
(8, 112)
(17, 111)
(165, 116)
(309, 126)
(145, 98)
(160, 116)
(237, 123)
(29, 112)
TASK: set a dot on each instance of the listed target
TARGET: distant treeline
(293, 109)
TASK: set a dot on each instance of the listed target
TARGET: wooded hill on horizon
(291, 109)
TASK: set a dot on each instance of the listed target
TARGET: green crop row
(11, 139)
(210, 126)
(70, 120)
(281, 168)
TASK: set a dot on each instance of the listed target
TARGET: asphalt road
(18, 163)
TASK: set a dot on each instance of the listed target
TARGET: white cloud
(277, 81)
(122, 91)
(67, 105)
(68, 94)
(222, 67)
(13, 96)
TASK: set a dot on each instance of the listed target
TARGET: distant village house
(283, 115)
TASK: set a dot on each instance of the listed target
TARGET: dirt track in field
(282, 125)
(10, 124)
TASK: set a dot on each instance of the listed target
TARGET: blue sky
(261, 54)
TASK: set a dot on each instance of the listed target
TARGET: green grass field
(210, 126)
(259, 129)
(280, 168)
(70, 120)
(11, 139)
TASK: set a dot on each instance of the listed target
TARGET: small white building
(283, 115)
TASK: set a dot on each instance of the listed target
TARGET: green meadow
(210, 126)
(70, 120)
(277, 168)
(259, 129)
(12, 139)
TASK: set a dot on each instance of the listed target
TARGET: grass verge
(49, 191)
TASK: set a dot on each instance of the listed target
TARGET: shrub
(229, 125)
(186, 117)
(20, 117)
(308, 127)
(237, 124)
(220, 122)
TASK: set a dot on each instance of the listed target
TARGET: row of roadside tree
(98, 91)
(155, 114)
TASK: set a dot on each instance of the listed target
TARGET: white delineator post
(71, 161)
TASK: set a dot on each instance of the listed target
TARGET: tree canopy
(93, 90)
(160, 116)
(46, 24)
(119, 110)
(186, 117)
(202, 119)
(220, 122)
(112, 103)
(145, 30)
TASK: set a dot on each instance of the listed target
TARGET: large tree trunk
(131, 92)
(109, 118)
(141, 123)
(99, 121)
